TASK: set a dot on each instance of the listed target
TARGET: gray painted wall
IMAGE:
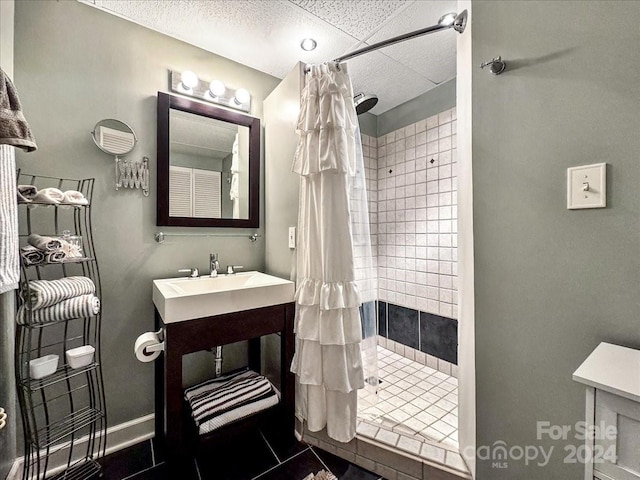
(430, 103)
(76, 65)
(551, 283)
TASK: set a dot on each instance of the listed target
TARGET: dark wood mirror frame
(165, 103)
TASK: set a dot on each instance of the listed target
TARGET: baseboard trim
(119, 437)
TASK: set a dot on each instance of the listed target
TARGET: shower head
(364, 102)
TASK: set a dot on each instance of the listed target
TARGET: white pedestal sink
(179, 299)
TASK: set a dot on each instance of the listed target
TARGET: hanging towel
(45, 244)
(75, 198)
(9, 273)
(44, 293)
(49, 195)
(14, 129)
(222, 400)
(234, 189)
(76, 307)
(26, 193)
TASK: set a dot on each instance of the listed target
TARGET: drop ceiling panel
(266, 35)
(391, 81)
(263, 35)
(358, 18)
(432, 56)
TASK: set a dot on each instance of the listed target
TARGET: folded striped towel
(44, 293)
(46, 244)
(76, 307)
(225, 399)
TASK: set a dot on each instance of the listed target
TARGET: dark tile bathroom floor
(254, 456)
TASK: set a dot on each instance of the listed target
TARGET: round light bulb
(308, 44)
(242, 96)
(216, 88)
(189, 79)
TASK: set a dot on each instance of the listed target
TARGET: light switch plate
(587, 186)
(292, 237)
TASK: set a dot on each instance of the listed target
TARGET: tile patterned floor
(254, 456)
(416, 412)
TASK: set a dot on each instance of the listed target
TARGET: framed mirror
(208, 165)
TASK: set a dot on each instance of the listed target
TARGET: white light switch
(292, 237)
(587, 186)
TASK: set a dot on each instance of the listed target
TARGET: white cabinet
(612, 376)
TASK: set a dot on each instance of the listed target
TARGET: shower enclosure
(412, 189)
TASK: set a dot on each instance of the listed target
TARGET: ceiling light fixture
(308, 44)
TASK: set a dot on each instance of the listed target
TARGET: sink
(179, 299)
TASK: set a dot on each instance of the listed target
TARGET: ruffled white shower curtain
(334, 267)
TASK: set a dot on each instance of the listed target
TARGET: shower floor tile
(415, 401)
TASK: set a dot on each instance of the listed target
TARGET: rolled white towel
(49, 195)
(45, 244)
(75, 198)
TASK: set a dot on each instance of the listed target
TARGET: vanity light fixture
(241, 96)
(308, 44)
(189, 80)
(188, 83)
(216, 88)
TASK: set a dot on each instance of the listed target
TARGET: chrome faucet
(231, 269)
(193, 272)
(214, 265)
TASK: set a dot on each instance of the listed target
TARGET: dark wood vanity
(175, 432)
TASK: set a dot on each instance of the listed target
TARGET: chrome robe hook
(496, 66)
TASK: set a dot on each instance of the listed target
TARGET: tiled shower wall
(412, 189)
(417, 216)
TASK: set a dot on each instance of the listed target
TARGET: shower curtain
(334, 266)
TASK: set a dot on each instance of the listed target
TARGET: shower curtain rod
(451, 20)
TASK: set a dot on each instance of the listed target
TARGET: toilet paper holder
(156, 347)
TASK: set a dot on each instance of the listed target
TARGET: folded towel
(26, 193)
(222, 400)
(76, 307)
(49, 195)
(44, 293)
(46, 244)
(14, 129)
(33, 256)
(75, 198)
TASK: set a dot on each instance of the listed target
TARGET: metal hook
(497, 66)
